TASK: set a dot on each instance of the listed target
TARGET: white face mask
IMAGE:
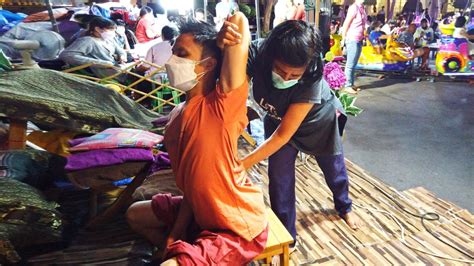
(181, 72)
(108, 35)
(281, 83)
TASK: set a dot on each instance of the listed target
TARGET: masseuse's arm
(289, 124)
(234, 64)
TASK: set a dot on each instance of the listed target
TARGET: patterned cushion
(26, 219)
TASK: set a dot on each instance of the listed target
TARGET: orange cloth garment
(201, 140)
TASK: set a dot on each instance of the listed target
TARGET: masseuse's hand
(228, 35)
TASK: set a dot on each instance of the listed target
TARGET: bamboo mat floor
(322, 236)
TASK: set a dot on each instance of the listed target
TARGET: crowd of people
(414, 32)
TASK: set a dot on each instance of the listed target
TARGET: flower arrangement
(336, 79)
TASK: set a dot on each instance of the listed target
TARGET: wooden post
(387, 8)
(257, 13)
(17, 134)
(317, 10)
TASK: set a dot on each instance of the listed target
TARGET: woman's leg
(335, 173)
(353, 50)
(281, 174)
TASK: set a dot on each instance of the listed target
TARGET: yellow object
(54, 141)
(329, 56)
(278, 242)
(393, 53)
(114, 87)
(336, 48)
(447, 29)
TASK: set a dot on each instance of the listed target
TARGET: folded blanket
(106, 157)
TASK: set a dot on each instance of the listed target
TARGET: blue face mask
(281, 83)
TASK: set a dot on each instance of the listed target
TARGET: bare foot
(352, 220)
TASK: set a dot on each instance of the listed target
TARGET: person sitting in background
(147, 30)
(376, 36)
(460, 29)
(423, 34)
(98, 47)
(460, 32)
(390, 27)
(121, 38)
(161, 52)
(407, 37)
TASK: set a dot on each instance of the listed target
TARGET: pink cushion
(113, 138)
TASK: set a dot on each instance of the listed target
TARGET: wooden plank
(17, 134)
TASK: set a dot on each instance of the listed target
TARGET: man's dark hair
(460, 22)
(145, 10)
(206, 35)
(424, 20)
(101, 23)
(169, 33)
(296, 43)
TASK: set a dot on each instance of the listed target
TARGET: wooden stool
(278, 242)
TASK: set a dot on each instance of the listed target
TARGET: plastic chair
(165, 91)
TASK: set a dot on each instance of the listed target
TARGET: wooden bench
(278, 242)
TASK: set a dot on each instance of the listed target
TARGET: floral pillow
(113, 138)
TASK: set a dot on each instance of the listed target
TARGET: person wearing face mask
(201, 139)
(302, 115)
(97, 47)
(352, 36)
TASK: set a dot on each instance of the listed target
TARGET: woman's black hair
(460, 22)
(100, 22)
(145, 10)
(295, 43)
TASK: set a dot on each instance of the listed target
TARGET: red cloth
(207, 247)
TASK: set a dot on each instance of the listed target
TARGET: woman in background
(98, 47)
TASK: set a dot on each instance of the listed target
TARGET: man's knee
(132, 215)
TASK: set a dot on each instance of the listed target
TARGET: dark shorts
(205, 247)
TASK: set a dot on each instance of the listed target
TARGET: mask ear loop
(202, 74)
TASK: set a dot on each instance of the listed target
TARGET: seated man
(423, 34)
(407, 37)
(161, 52)
(201, 139)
